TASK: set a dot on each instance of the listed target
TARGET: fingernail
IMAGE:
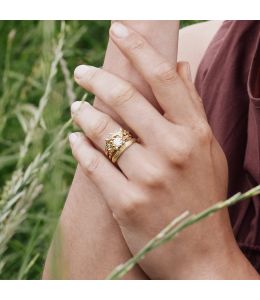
(73, 138)
(119, 30)
(188, 71)
(81, 70)
(75, 106)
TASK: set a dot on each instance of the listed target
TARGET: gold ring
(121, 150)
(117, 143)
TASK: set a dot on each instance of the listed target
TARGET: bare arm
(189, 48)
(89, 243)
(164, 172)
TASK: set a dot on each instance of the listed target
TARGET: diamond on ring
(117, 143)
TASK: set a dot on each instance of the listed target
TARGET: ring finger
(98, 126)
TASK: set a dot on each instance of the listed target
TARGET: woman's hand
(176, 164)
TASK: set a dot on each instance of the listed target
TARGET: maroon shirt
(228, 81)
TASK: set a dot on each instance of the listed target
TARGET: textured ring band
(117, 143)
(121, 150)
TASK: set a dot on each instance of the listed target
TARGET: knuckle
(165, 72)
(203, 132)
(135, 43)
(133, 203)
(153, 177)
(180, 155)
(100, 126)
(91, 164)
(128, 209)
(122, 94)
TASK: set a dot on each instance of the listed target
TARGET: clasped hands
(175, 165)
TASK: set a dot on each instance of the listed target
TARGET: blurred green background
(27, 54)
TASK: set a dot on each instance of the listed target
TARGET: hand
(176, 165)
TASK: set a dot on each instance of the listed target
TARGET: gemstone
(117, 142)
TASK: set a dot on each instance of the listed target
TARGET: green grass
(27, 52)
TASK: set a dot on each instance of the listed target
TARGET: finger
(98, 126)
(107, 178)
(123, 98)
(167, 86)
(183, 69)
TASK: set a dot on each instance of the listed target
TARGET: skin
(86, 226)
(189, 49)
(166, 171)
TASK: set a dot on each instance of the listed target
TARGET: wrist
(218, 258)
(233, 266)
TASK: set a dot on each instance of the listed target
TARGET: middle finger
(122, 97)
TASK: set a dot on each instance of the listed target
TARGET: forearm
(91, 243)
(88, 244)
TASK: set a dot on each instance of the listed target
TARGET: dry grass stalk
(25, 185)
(175, 227)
